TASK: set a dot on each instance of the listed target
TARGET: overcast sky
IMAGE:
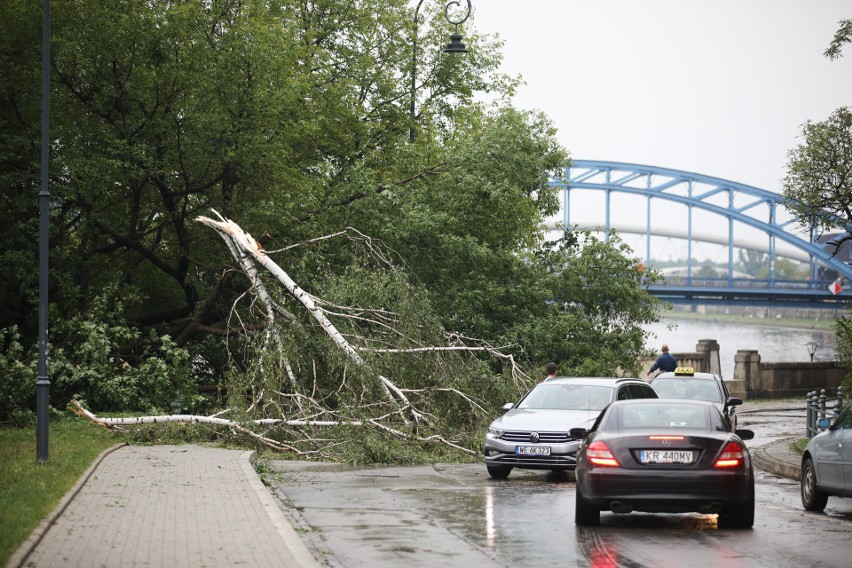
(717, 87)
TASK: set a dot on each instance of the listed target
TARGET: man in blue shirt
(665, 362)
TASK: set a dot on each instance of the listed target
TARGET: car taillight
(732, 456)
(599, 454)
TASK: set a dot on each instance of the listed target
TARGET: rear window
(567, 397)
(664, 416)
(688, 388)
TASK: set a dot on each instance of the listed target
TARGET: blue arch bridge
(657, 203)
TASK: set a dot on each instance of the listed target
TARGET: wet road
(456, 515)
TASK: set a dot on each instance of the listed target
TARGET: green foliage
(751, 262)
(392, 314)
(587, 305)
(706, 270)
(841, 38)
(818, 185)
(97, 372)
(756, 264)
(784, 270)
(94, 370)
(843, 351)
(291, 118)
(17, 379)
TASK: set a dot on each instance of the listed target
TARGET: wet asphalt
(456, 515)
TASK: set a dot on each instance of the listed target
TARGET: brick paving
(156, 506)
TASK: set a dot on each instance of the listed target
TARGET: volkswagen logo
(534, 437)
(666, 443)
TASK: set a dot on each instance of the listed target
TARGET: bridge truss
(760, 210)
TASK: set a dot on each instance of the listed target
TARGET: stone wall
(705, 358)
(754, 378)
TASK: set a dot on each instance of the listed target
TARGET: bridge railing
(751, 283)
(819, 406)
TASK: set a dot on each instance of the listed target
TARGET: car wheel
(812, 498)
(585, 514)
(499, 471)
(740, 515)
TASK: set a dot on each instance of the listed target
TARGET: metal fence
(820, 405)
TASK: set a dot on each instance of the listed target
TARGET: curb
(763, 459)
(300, 553)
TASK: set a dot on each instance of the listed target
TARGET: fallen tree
(287, 415)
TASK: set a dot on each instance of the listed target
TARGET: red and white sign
(835, 287)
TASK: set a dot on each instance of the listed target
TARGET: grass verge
(29, 490)
(798, 445)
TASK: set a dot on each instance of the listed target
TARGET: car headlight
(494, 432)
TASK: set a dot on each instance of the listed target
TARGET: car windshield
(687, 387)
(567, 397)
(664, 416)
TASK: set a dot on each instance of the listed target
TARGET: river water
(775, 344)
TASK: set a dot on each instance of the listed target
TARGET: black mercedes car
(664, 456)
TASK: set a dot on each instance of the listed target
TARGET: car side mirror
(734, 401)
(745, 434)
(578, 433)
(508, 406)
(823, 423)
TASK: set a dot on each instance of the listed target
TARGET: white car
(685, 383)
(534, 433)
(827, 462)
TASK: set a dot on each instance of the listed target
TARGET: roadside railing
(820, 405)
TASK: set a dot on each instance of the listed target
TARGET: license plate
(666, 456)
(532, 450)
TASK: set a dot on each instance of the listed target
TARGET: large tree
(293, 119)
(818, 185)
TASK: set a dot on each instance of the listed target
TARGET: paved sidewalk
(167, 506)
(198, 506)
(776, 457)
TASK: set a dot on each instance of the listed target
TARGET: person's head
(665, 348)
(551, 369)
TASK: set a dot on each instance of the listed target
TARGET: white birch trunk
(248, 244)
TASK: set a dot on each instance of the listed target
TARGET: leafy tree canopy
(293, 119)
(818, 185)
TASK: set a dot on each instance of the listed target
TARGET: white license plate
(666, 456)
(532, 450)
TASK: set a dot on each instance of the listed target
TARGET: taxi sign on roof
(685, 371)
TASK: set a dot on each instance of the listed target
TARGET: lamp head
(456, 45)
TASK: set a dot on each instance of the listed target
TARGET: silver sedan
(534, 433)
(827, 463)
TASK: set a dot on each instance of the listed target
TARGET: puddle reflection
(490, 531)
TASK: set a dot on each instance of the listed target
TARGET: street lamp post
(455, 46)
(812, 347)
(43, 380)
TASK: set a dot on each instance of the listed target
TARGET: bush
(85, 363)
(17, 379)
